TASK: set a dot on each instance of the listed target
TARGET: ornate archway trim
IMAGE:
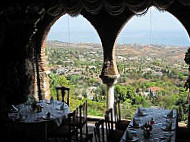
(113, 7)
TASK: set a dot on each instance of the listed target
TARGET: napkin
(48, 114)
(62, 106)
(139, 112)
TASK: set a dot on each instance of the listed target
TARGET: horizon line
(142, 44)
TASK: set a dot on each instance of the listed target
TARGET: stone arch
(181, 13)
(43, 85)
(177, 13)
(30, 18)
(115, 15)
(23, 24)
(110, 73)
(178, 18)
(43, 35)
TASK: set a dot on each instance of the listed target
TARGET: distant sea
(157, 38)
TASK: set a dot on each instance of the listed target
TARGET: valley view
(150, 76)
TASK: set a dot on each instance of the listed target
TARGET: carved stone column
(109, 74)
(108, 28)
(110, 81)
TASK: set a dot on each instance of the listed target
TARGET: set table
(38, 123)
(159, 132)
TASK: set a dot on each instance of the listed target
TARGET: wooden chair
(99, 135)
(81, 122)
(113, 135)
(63, 90)
(67, 130)
(119, 124)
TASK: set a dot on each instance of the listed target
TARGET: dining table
(37, 122)
(152, 125)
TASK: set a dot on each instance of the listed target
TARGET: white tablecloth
(157, 133)
(37, 123)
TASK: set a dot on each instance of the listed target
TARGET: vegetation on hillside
(149, 77)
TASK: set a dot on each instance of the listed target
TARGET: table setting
(47, 113)
(135, 123)
(151, 125)
(43, 109)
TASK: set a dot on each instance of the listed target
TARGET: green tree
(57, 80)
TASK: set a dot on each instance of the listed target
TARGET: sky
(155, 27)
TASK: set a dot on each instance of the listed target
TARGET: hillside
(170, 53)
(149, 75)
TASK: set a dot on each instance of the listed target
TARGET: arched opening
(150, 58)
(74, 60)
(22, 28)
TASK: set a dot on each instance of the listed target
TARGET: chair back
(99, 131)
(81, 121)
(61, 91)
(83, 112)
(67, 129)
(72, 122)
(109, 121)
(117, 111)
(72, 128)
(83, 117)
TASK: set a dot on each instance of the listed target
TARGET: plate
(46, 118)
(166, 129)
(133, 140)
(132, 131)
(163, 139)
(48, 102)
(134, 126)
